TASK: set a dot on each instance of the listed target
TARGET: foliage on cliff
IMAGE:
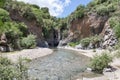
(100, 7)
(91, 17)
(43, 18)
(16, 30)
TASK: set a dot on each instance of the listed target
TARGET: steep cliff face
(33, 27)
(90, 25)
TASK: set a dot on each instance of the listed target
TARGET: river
(61, 65)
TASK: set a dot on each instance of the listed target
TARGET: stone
(79, 46)
(107, 70)
(106, 37)
(3, 39)
(43, 44)
(89, 69)
(109, 39)
(90, 46)
(2, 49)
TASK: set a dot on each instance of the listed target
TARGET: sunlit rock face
(109, 38)
(33, 26)
(90, 25)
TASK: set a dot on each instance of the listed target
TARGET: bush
(29, 41)
(4, 15)
(113, 21)
(80, 11)
(11, 71)
(117, 54)
(93, 39)
(99, 1)
(115, 24)
(4, 61)
(2, 2)
(111, 7)
(117, 30)
(102, 10)
(85, 42)
(73, 44)
(99, 62)
(13, 33)
(117, 46)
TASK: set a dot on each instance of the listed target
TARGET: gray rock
(2, 49)
(79, 46)
(43, 44)
(89, 69)
(109, 39)
(90, 46)
(107, 70)
(106, 37)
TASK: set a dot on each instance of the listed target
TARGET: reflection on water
(61, 65)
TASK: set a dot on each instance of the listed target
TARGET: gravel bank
(29, 53)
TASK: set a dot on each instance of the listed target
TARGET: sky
(58, 8)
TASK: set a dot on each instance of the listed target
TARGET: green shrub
(80, 11)
(115, 24)
(13, 33)
(23, 28)
(4, 15)
(4, 61)
(73, 44)
(113, 21)
(117, 54)
(95, 39)
(102, 10)
(38, 15)
(17, 71)
(117, 30)
(29, 41)
(111, 7)
(99, 62)
(117, 46)
(99, 1)
(2, 3)
(85, 42)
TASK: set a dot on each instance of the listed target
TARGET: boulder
(3, 49)
(79, 46)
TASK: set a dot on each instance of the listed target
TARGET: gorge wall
(90, 25)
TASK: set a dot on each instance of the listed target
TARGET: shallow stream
(61, 65)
